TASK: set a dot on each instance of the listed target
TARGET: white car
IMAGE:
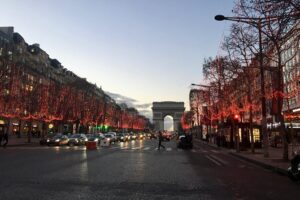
(114, 134)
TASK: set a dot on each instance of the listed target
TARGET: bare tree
(280, 30)
(241, 46)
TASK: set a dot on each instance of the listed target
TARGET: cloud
(122, 99)
(143, 108)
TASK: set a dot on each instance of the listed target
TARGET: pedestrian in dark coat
(160, 139)
(5, 137)
(1, 134)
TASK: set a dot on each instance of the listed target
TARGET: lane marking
(146, 148)
(214, 161)
(168, 149)
(219, 159)
(193, 150)
(215, 151)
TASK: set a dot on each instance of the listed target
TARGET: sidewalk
(13, 141)
(274, 162)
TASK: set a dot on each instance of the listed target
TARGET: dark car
(58, 140)
(140, 136)
(46, 139)
(185, 142)
(109, 139)
(77, 139)
(121, 137)
(95, 137)
(132, 136)
(152, 136)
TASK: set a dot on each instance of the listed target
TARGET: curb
(22, 145)
(262, 164)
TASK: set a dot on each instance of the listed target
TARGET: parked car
(121, 137)
(58, 140)
(132, 136)
(152, 136)
(127, 135)
(46, 139)
(140, 136)
(109, 138)
(93, 138)
(114, 134)
(77, 139)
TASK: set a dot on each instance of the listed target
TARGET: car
(58, 140)
(94, 137)
(127, 135)
(167, 136)
(140, 136)
(100, 135)
(114, 134)
(185, 142)
(77, 139)
(108, 138)
(132, 136)
(121, 137)
(44, 140)
(152, 136)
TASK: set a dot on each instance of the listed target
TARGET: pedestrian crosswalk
(121, 148)
(215, 157)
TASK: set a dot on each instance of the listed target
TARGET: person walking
(160, 139)
(5, 137)
(1, 134)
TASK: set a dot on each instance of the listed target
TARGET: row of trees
(235, 79)
(28, 95)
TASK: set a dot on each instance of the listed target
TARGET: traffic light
(236, 118)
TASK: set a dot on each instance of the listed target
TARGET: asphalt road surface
(135, 170)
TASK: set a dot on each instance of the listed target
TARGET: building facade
(38, 94)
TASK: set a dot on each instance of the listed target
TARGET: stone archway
(164, 108)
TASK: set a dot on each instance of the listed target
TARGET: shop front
(242, 130)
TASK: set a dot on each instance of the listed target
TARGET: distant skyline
(139, 51)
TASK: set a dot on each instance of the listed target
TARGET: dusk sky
(137, 50)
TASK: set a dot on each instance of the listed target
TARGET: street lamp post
(257, 23)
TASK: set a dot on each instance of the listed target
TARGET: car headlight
(48, 140)
(57, 140)
(122, 137)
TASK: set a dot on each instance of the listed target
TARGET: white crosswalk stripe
(216, 160)
(83, 148)
(219, 159)
(215, 151)
(212, 160)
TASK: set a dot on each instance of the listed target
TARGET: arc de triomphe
(162, 109)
